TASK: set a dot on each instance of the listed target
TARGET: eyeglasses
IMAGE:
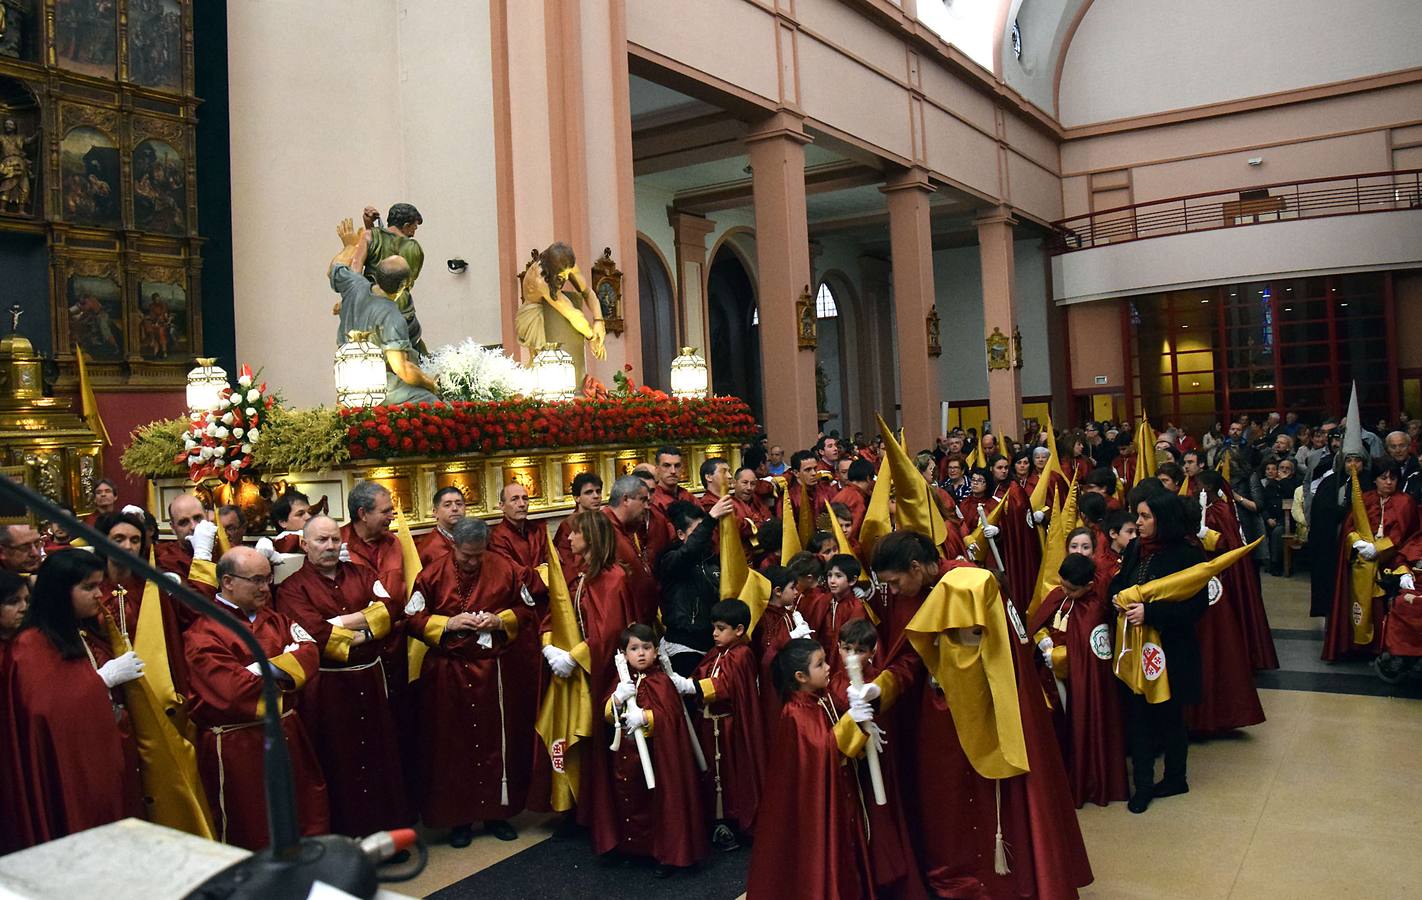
(259, 581)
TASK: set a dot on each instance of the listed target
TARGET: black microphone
(289, 867)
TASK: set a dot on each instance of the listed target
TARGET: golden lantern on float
(689, 375)
(205, 385)
(553, 374)
(360, 371)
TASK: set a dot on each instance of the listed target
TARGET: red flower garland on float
(451, 429)
(219, 441)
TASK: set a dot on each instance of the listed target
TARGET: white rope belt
(220, 730)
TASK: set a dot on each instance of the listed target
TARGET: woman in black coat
(1164, 545)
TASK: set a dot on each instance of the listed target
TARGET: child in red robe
(891, 859)
(730, 725)
(844, 605)
(779, 624)
(810, 841)
(1071, 631)
(667, 823)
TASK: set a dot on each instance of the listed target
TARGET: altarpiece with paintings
(98, 213)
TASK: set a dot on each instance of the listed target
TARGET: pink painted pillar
(776, 148)
(911, 249)
(1000, 311)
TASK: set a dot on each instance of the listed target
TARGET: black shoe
(1140, 801)
(1170, 787)
(461, 836)
(723, 838)
(568, 828)
(664, 872)
(501, 829)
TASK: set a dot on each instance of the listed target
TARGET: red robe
(1398, 521)
(667, 823)
(385, 558)
(346, 711)
(1020, 548)
(951, 807)
(837, 612)
(731, 732)
(177, 557)
(823, 492)
(477, 704)
(172, 629)
(857, 501)
(968, 506)
(642, 587)
(772, 633)
(526, 548)
(810, 839)
(382, 555)
(563, 543)
(287, 542)
(433, 546)
(225, 708)
(1095, 749)
(1241, 585)
(662, 498)
(65, 763)
(891, 856)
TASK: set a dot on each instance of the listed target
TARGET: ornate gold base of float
(546, 475)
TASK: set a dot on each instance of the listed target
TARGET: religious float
(240, 445)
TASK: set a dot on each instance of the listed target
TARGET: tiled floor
(1323, 800)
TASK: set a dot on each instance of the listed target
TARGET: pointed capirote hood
(1353, 428)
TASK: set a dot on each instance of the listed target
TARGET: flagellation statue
(557, 307)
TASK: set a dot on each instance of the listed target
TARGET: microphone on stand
(292, 864)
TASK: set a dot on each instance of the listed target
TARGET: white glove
(1039, 516)
(1406, 582)
(990, 531)
(265, 547)
(633, 717)
(132, 510)
(202, 539)
(865, 694)
(876, 734)
(291, 648)
(560, 661)
(860, 711)
(684, 685)
(255, 669)
(802, 628)
(175, 577)
(121, 670)
(625, 691)
(1366, 550)
(345, 555)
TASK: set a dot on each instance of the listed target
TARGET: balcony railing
(1283, 202)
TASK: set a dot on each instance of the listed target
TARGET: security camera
(1255, 160)
(456, 265)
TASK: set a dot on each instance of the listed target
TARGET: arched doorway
(656, 305)
(829, 362)
(734, 331)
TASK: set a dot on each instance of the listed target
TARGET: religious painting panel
(19, 29)
(573, 466)
(89, 171)
(159, 188)
(625, 462)
(164, 323)
(469, 481)
(86, 36)
(400, 484)
(155, 43)
(94, 305)
(19, 148)
(529, 474)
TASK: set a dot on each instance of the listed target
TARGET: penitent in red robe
(810, 839)
(772, 633)
(891, 857)
(526, 547)
(732, 733)
(857, 501)
(642, 587)
(1020, 548)
(836, 613)
(1241, 586)
(384, 557)
(667, 823)
(951, 808)
(1095, 751)
(477, 703)
(65, 763)
(226, 708)
(346, 711)
(1397, 520)
(433, 546)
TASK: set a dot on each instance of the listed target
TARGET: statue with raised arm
(556, 305)
(371, 308)
(396, 237)
(16, 168)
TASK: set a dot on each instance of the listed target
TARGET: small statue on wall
(13, 16)
(16, 168)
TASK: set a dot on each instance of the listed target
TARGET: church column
(776, 148)
(911, 249)
(690, 233)
(1000, 313)
(875, 336)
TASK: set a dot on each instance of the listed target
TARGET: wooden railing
(1283, 202)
